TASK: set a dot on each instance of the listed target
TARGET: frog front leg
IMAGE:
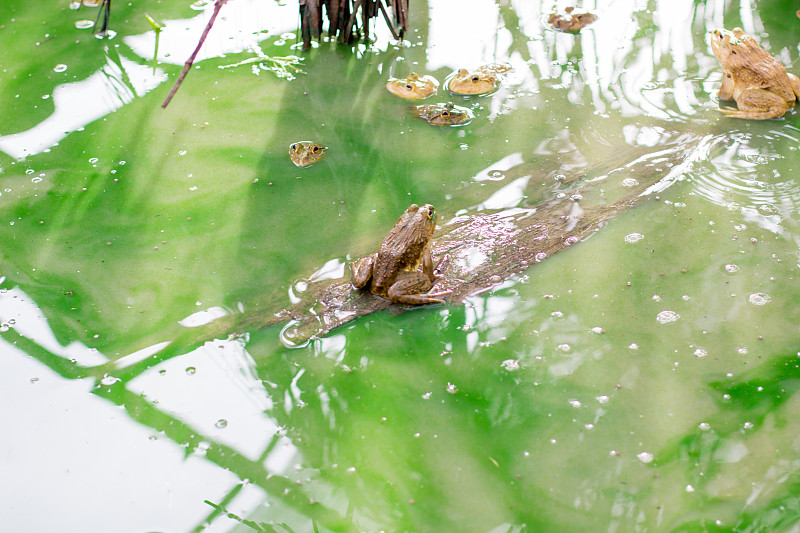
(410, 287)
(726, 89)
(361, 270)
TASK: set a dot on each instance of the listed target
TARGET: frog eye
(445, 113)
(475, 79)
(315, 149)
(409, 86)
(293, 147)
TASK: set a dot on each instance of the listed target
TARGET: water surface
(641, 380)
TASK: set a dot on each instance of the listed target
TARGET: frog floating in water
(444, 114)
(413, 87)
(573, 24)
(305, 153)
(402, 269)
(753, 78)
(482, 80)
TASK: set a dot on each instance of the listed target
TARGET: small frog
(402, 269)
(413, 87)
(305, 153)
(753, 78)
(573, 24)
(482, 80)
(444, 114)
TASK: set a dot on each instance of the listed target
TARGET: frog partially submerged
(753, 78)
(573, 24)
(482, 80)
(305, 153)
(447, 114)
(413, 87)
(402, 269)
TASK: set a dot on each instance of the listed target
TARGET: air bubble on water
(700, 353)
(598, 329)
(564, 347)
(287, 35)
(748, 425)
(181, 152)
(191, 370)
(630, 182)
(30, 171)
(575, 403)
(221, 423)
(656, 298)
(704, 426)
(74, 5)
(742, 351)
(645, 457)
(93, 160)
(667, 317)
(689, 488)
(61, 67)
(84, 24)
(36, 179)
(510, 364)
(633, 237)
(589, 426)
(557, 314)
(540, 256)
(602, 399)
(633, 346)
(108, 380)
(451, 388)
(496, 175)
(730, 268)
(569, 241)
(759, 298)
(426, 396)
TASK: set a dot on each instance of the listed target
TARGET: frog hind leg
(361, 271)
(758, 104)
(409, 289)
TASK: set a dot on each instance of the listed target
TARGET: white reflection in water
(76, 450)
(19, 311)
(237, 27)
(77, 104)
(223, 386)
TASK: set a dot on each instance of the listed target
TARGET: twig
(189, 62)
(388, 22)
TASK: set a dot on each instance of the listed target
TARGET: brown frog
(402, 270)
(482, 80)
(753, 78)
(305, 153)
(447, 114)
(573, 24)
(413, 87)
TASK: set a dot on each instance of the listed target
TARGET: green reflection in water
(537, 406)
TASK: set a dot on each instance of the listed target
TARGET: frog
(413, 87)
(482, 80)
(447, 114)
(573, 24)
(753, 78)
(402, 269)
(305, 153)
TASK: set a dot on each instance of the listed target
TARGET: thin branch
(189, 62)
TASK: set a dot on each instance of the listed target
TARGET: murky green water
(642, 380)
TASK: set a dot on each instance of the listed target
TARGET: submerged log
(483, 249)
